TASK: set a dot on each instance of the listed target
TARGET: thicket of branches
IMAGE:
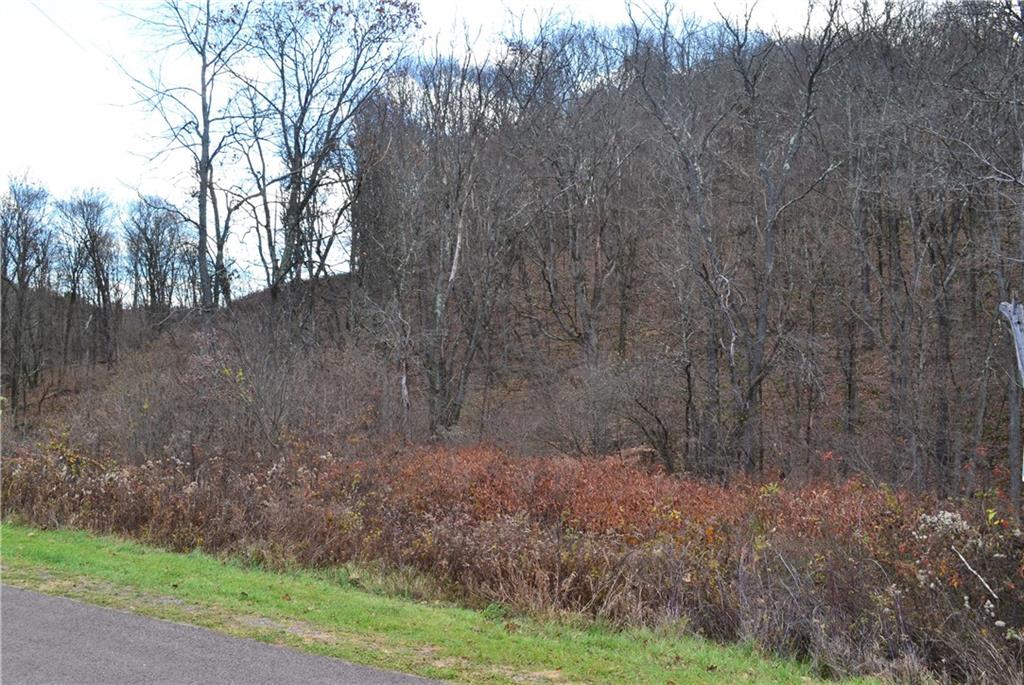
(82, 280)
(740, 250)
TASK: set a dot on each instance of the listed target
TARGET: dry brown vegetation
(855, 578)
(762, 271)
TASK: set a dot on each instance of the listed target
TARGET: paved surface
(47, 639)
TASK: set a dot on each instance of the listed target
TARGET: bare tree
(444, 245)
(25, 253)
(584, 237)
(770, 132)
(311, 67)
(153, 237)
(198, 116)
(87, 220)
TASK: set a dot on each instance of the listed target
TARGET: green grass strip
(307, 610)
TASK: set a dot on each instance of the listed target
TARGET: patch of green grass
(316, 613)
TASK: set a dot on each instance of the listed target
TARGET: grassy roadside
(309, 611)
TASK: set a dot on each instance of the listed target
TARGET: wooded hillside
(733, 250)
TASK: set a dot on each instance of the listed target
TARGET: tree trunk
(1014, 313)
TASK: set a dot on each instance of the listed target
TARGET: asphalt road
(47, 639)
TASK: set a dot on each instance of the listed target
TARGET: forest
(675, 320)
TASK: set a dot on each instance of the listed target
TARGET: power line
(59, 27)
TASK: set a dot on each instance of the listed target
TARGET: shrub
(855, 578)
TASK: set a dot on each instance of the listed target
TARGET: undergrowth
(853, 578)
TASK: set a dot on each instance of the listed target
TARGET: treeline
(83, 278)
(738, 250)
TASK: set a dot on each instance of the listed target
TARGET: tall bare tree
(311, 67)
(153, 237)
(88, 221)
(25, 254)
(197, 114)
